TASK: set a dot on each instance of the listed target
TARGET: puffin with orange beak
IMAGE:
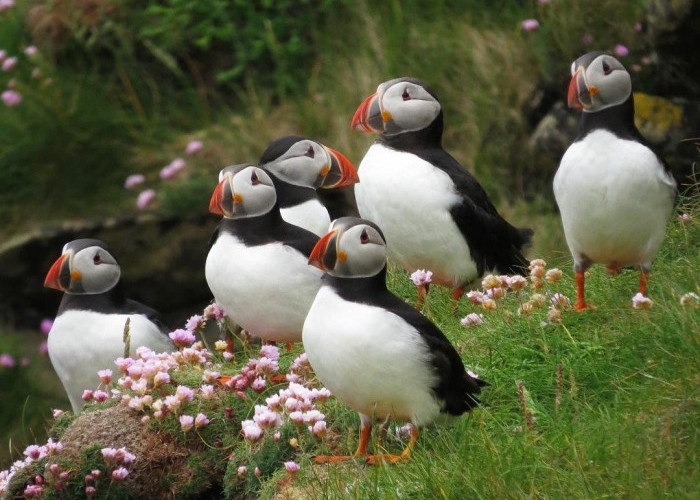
(298, 166)
(615, 194)
(87, 334)
(257, 264)
(406, 175)
(374, 352)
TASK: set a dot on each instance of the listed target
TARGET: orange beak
(58, 276)
(342, 173)
(221, 202)
(578, 96)
(368, 116)
(323, 255)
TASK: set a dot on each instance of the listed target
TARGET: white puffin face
(93, 270)
(406, 106)
(606, 80)
(252, 193)
(305, 163)
(361, 252)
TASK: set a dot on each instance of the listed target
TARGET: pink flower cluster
(421, 277)
(173, 168)
(32, 453)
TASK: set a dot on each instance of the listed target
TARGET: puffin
(257, 266)
(434, 213)
(375, 353)
(298, 166)
(88, 332)
(614, 193)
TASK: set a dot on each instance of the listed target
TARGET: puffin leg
(422, 295)
(643, 278)
(580, 300)
(380, 458)
(365, 433)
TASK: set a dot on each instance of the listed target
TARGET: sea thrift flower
(621, 50)
(537, 272)
(207, 391)
(251, 430)
(9, 64)
(553, 276)
(560, 301)
(476, 296)
(193, 147)
(554, 315)
(526, 309)
(201, 420)
(182, 338)
(186, 422)
(530, 24)
(318, 428)
(184, 393)
(489, 304)
(171, 170)
(242, 471)
(639, 301)
(6, 360)
(100, 396)
(472, 319)
(30, 51)
(145, 198)
(490, 281)
(56, 412)
(90, 491)
(194, 323)
(214, 311)
(11, 98)
(516, 282)
(496, 293)
(45, 326)
(536, 282)
(421, 277)
(87, 395)
(119, 474)
(270, 352)
(134, 180)
(161, 378)
(258, 384)
(690, 299)
(684, 217)
(44, 348)
(291, 466)
(105, 376)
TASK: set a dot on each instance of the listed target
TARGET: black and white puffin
(614, 193)
(257, 264)
(434, 213)
(298, 166)
(375, 353)
(87, 334)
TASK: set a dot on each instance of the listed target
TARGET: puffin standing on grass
(298, 166)
(614, 193)
(257, 265)
(406, 175)
(375, 353)
(88, 332)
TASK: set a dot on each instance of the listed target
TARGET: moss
(656, 116)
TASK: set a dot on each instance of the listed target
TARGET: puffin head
(399, 105)
(305, 162)
(598, 81)
(243, 191)
(352, 248)
(85, 267)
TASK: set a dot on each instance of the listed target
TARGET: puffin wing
(493, 242)
(134, 307)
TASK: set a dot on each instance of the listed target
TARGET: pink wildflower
(516, 282)
(105, 376)
(30, 51)
(621, 50)
(193, 147)
(553, 276)
(195, 322)
(639, 301)
(11, 98)
(684, 217)
(476, 296)
(6, 4)
(6, 360)
(56, 412)
(9, 64)
(422, 277)
(171, 170)
(270, 352)
(134, 180)
(45, 326)
(201, 420)
(251, 430)
(242, 471)
(161, 378)
(258, 384)
(530, 24)
(472, 319)
(560, 301)
(145, 198)
(186, 422)
(291, 466)
(44, 348)
(318, 428)
(100, 396)
(214, 311)
(184, 393)
(182, 338)
(207, 391)
(119, 474)
(87, 395)
(90, 491)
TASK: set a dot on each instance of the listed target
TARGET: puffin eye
(97, 259)
(405, 95)
(254, 179)
(310, 152)
(606, 68)
(364, 237)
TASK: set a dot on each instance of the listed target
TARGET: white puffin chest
(266, 289)
(410, 200)
(82, 342)
(311, 215)
(370, 359)
(615, 199)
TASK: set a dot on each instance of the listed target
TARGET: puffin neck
(109, 301)
(617, 119)
(429, 137)
(289, 195)
(358, 289)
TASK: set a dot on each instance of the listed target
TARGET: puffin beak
(368, 117)
(579, 95)
(59, 276)
(221, 202)
(324, 255)
(342, 172)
